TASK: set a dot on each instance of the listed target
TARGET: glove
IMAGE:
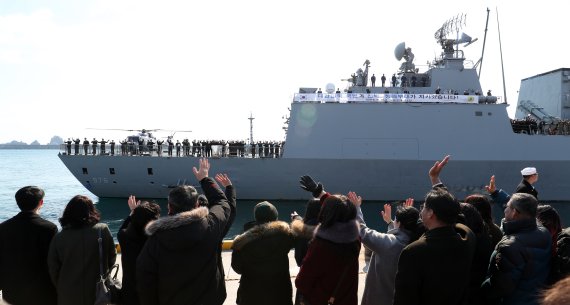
(309, 185)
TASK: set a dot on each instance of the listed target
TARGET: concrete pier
(232, 278)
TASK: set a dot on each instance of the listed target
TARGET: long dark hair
(483, 205)
(336, 208)
(312, 211)
(408, 218)
(79, 211)
(143, 214)
(472, 218)
(550, 219)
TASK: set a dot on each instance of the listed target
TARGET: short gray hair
(524, 203)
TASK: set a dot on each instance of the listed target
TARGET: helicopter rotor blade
(119, 129)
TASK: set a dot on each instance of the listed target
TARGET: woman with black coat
(132, 238)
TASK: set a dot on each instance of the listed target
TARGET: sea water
(42, 167)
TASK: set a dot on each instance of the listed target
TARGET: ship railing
(386, 98)
(209, 151)
(533, 127)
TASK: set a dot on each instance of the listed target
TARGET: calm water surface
(43, 168)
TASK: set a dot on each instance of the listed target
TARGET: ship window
(489, 113)
(115, 182)
(152, 182)
(85, 171)
(478, 113)
(149, 171)
(112, 171)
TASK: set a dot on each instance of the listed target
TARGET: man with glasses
(520, 263)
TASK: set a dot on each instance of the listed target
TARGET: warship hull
(271, 178)
(382, 151)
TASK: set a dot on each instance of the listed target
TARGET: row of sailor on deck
(445, 252)
(196, 148)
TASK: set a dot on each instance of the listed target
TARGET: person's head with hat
(530, 174)
(265, 212)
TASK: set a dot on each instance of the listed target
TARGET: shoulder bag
(107, 288)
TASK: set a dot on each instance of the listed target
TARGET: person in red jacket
(330, 268)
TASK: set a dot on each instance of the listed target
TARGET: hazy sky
(68, 66)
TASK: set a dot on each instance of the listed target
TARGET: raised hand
(294, 214)
(387, 213)
(309, 185)
(133, 203)
(202, 171)
(409, 202)
(435, 170)
(223, 179)
(491, 188)
(355, 199)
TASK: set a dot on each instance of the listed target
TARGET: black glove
(309, 185)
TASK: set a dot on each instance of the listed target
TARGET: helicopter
(142, 142)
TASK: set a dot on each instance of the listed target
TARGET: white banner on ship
(383, 97)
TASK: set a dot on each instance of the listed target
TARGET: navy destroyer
(378, 141)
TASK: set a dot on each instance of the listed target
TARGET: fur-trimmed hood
(340, 232)
(266, 230)
(302, 229)
(175, 221)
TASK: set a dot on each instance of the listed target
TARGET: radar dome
(330, 88)
(400, 50)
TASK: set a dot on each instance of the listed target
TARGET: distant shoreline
(20, 146)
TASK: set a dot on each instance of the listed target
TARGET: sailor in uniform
(86, 146)
(530, 176)
(76, 142)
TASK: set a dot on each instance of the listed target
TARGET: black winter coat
(179, 261)
(24, 245)
(260, 255)
(525, 187)
(435, 269)
(131, 242)
(230, 192)
(520, 264)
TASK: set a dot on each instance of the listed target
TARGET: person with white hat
(530, 176)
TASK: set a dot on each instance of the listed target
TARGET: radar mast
(251, 118)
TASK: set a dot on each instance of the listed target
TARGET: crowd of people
(531, 126)
(170, 148)
(446, 251)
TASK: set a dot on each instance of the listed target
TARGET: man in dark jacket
(530, 176)
(520, 263)
(24, 245)
(435, 269)
(179, 262)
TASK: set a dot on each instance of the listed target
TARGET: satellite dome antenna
(330, 88)
(400, 50)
